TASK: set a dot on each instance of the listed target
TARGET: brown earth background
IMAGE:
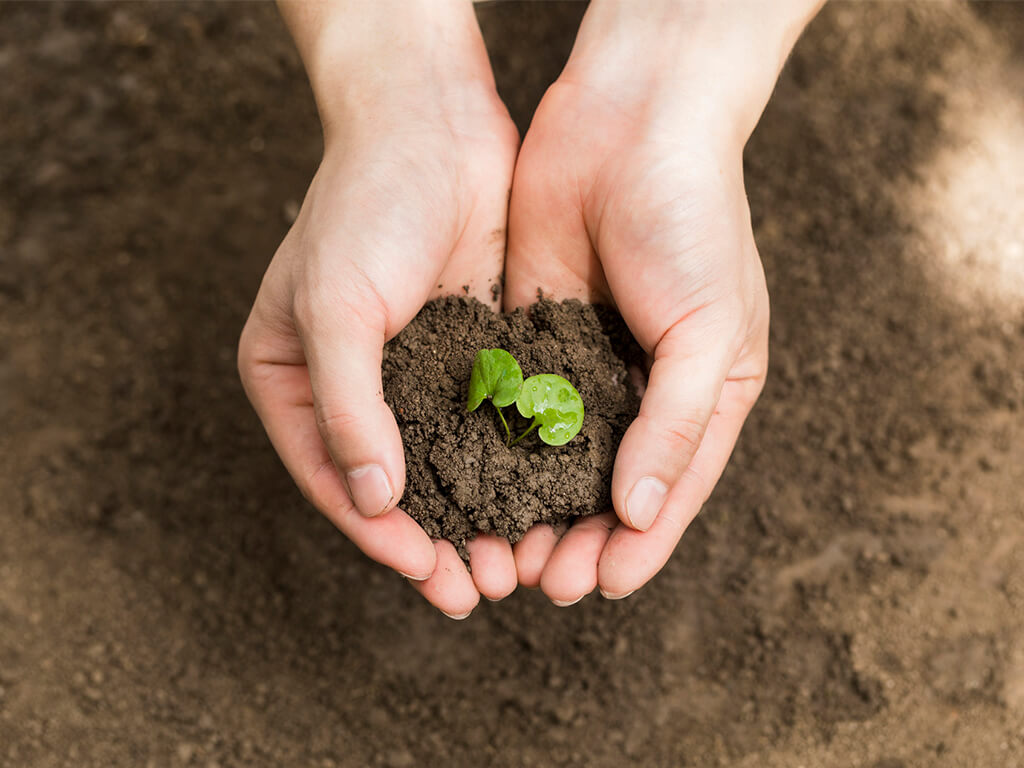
(852, 595)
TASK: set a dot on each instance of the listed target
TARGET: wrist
(398, 56)
(680, 64)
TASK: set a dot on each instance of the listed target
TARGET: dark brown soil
(460, 476)
(852, 594)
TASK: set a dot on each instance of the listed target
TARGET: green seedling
(496, 377)
(555, 407)
(551, 401)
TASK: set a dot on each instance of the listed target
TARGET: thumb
(343, 344)
(683, 388)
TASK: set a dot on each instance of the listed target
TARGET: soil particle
(460, 476)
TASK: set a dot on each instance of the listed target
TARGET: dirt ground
(853, 594)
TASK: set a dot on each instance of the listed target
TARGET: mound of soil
(461, 478)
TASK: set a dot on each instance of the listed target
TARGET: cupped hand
(629, 190)
(409, 202)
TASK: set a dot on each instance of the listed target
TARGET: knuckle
(315, 292)
(306, 307)
(676, 520)
(698, 481)
(319, 485)
(334, 422)
(252, 370)
(684, 430)
(311, 479)
(244, 358)
(602, 524)
(757, 386)
(358, 303)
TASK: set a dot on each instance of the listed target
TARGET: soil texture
(460, 476)
(851, 595)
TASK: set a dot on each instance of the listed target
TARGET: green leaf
(496, 376)
(555, 404)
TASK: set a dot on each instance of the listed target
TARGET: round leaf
(555, 404)
(497, 376)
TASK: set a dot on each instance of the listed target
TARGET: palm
(606, 210)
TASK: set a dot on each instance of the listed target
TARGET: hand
(629, 190)
(411, 195)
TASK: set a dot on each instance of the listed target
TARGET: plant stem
(508, 432)
(536, 423)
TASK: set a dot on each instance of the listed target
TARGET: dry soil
(852, 595)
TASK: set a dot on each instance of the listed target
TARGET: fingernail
(611, 596)
(410, 577)
(458, 617)
(566, 603)
(370, 489)
(644, 502)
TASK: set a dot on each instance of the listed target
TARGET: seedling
(555, 406)
(497, 377)
(551, 401)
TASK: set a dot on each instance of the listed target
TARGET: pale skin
(628, 189)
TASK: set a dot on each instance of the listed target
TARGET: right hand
(411, 195)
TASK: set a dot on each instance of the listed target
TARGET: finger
(571, 571)
(683, 388)
(282, 398)
(450, 588)
(477, 261)
(549, 249)
(493, 566)
(532, 552)
(480, 280)
(631, 558)
(343, 339)
(475, 265)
